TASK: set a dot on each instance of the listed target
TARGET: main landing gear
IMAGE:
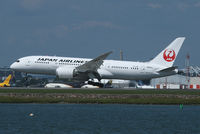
(101, 85)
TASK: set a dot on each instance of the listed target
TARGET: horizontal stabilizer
(169, 69)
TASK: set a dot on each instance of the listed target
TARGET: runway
(43, 88)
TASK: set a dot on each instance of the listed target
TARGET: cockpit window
(17, 61)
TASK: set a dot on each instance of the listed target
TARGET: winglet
(103, 56)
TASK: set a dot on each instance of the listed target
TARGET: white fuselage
(57, 85)
(110, 69)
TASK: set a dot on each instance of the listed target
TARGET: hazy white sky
(88, 28)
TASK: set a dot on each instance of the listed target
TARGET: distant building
(176, 82)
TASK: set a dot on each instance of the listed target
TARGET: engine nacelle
(65, 73)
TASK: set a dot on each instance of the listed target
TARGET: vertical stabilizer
(7, 80)
(168, 55)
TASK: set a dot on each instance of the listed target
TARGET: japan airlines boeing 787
(83, 69)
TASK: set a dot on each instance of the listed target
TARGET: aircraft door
(28, 62)
(107, 65)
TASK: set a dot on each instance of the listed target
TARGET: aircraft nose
(13, 66)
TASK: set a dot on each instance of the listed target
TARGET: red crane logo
(169, 55)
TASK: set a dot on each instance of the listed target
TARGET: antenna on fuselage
(121, 55)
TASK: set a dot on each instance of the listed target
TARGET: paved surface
(70, 88)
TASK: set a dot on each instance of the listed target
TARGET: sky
(89, 28)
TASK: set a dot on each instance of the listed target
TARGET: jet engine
(65, 73)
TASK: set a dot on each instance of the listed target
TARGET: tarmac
(32, 88)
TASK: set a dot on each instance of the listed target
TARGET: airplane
(57, 85)
(89, 86)
(82, 69)
(6, 82)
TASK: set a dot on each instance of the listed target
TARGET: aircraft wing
(94, 64)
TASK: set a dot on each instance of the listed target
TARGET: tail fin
(7, 80)
(168, 55)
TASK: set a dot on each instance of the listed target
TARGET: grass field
(119, 96)
(102, 91)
